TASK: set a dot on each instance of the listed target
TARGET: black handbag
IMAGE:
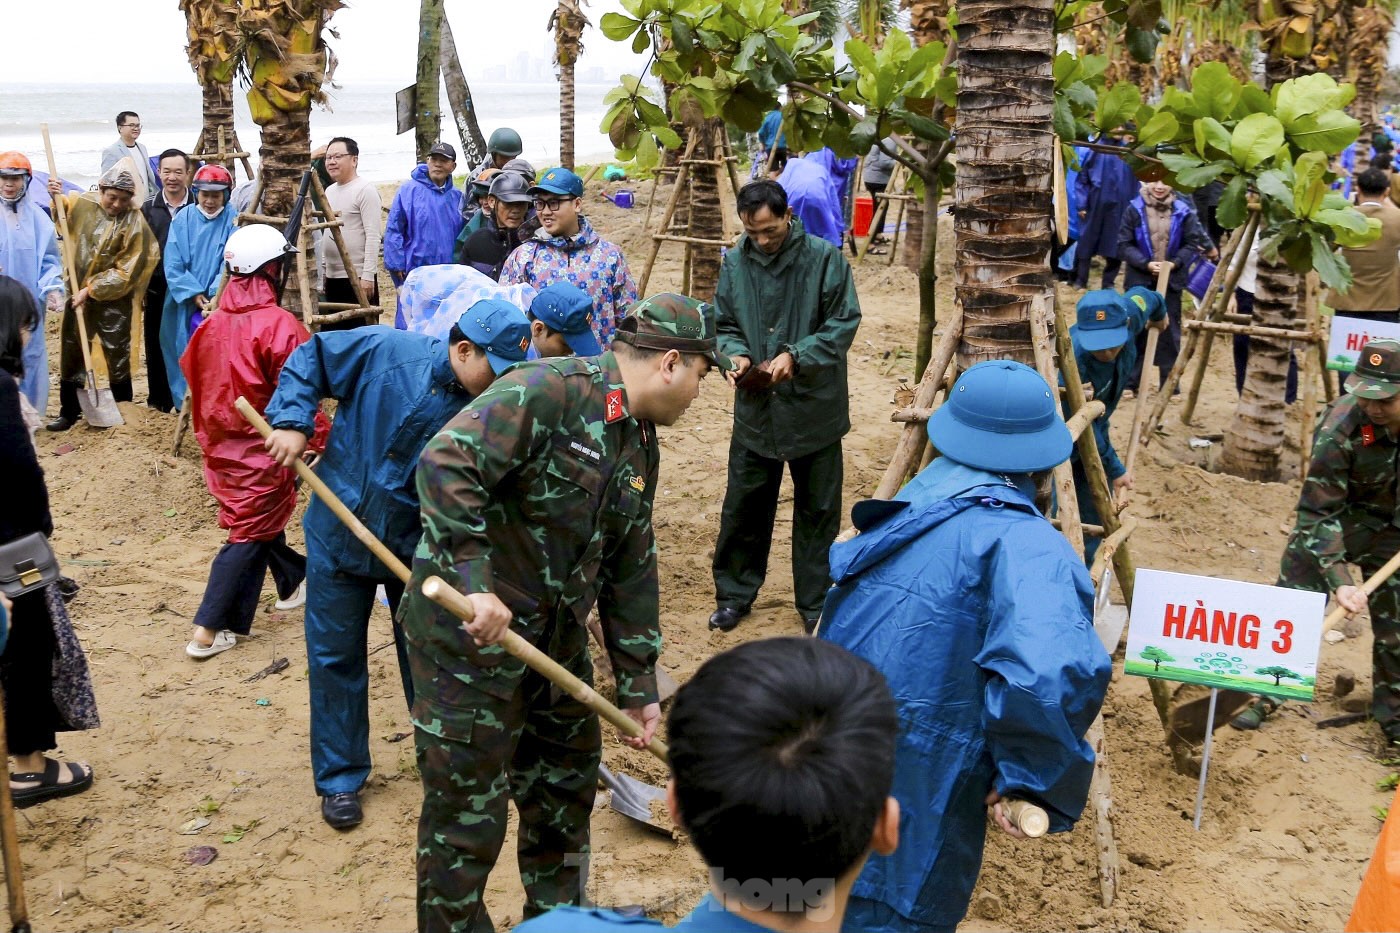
(26, 564)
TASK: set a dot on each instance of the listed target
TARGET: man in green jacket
(786, 314)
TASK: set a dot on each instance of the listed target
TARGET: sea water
(81, 119)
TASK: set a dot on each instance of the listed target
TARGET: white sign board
(1226, 634)
(1349, 335)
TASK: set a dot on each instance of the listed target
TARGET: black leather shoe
(342, 811)
(60, 423)
(727, 618)
(811, 624)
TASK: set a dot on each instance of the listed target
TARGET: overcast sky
(377, 44)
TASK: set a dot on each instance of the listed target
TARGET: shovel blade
(1188, 719)
(632, 798)
(99, 408)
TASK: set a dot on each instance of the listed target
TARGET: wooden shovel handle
(1147, 382)
(65, 248)
(1372, 583)
(1027, 817)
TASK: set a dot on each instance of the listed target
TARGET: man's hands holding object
(765, 375)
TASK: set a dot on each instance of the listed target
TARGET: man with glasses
(159, 210)
(128, 130)
(567, 249)
(356, 203)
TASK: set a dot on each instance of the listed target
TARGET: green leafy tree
(1278, 673)
(1156, 656)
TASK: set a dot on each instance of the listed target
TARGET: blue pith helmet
(1003, 417)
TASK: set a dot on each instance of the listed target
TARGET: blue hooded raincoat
(813, 196)
(423, 225)
(980, 616)
(29, 255)
(194, 263)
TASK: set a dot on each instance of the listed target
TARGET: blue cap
(1003, 417)
(559, 181)
(566, 308)
(1102, 320)
(1152, 303)
(499, 328)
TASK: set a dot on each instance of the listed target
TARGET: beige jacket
(1375, 267)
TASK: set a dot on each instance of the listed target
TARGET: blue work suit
(1109, 380)
(29, 255)
(814, 198)
(194, 263)
(422, 229)
(395, 391)
(979, 614)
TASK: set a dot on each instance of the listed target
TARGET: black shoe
(61, 423)
(68, 589)
(342, 811)
(726, 618)
(810, 624)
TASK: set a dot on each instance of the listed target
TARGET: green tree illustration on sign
(1278, 673)
(1156, 656)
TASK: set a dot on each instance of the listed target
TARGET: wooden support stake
(679, 186)
(1147, 386)
(1251, 229)
(1042, 346)
(911, 441)
(309, 309)
(1101, 800)
(323, 205)
(1310, 378)
(1080, 420)
(1252, 330)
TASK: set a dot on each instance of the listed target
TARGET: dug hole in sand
(1288, 824)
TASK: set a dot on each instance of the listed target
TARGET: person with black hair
(355, 199)
(979, 614)
(782, 766)
(42, 669)
(395, 390)
(1375, 288)
(127, 146)
(786, 313)
(175, 194)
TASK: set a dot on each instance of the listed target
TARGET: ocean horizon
(81, 118)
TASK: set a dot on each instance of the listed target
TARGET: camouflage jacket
(541, 492)
(1351, 483)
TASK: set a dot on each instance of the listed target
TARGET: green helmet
(505, 141)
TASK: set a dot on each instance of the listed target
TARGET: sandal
(1254, 717)
(223, 641)
(49, 786)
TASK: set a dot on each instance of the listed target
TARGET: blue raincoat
(1103, 189)
(814, 198)
(29, 255)
(396, 390)
(979, 614)
(423, 225)
(194, 263)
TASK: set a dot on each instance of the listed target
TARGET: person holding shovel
(980, 615)
(536, 504)
(1107, 357)
(240, 351)
(395, 390)
(1347, 514)
(114, 255)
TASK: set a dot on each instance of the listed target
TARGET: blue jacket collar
(442, 368)
(420, 175)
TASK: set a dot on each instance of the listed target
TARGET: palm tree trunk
(427, 123)
(568, 23)
(1367, 47)
(566, 115)
(217, 102)
(706, 217)
(1004, 140)
(1254, 440)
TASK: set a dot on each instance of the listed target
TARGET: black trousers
(157, 382)
(236, 580)
(746, 526)
(1245, 302)
(26, 671)
(343, 290)
(877, 219)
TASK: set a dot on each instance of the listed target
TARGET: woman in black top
(42, 670)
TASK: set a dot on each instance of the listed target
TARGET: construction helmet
(252, 247)
(520, 167)
(510, 188)
(505, 141)
(212, 178)
(15, 163)
(481, 184)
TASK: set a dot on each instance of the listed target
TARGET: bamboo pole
(1191, 338)
(1147, 386)
(1310, 378)
(681, 175)
(439, 592)
(9, 842)
(911, 441)
(1253, 330)
(894, 235)
(1068, 502)
(1251, 229)
(1080, 420)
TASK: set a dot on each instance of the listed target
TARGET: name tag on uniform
(586, 453)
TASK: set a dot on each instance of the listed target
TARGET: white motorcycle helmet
(253, 246)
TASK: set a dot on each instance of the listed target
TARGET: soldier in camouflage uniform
(537, 503)
(1348, 514)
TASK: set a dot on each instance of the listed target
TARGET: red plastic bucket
(864, 211)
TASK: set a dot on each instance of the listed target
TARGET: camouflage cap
(1377, 373)
(673, 322)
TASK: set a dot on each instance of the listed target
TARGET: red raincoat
(240, 351)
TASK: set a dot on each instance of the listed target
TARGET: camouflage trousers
(1369, 549)
(477, 751)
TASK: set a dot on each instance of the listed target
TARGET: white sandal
(223, 641)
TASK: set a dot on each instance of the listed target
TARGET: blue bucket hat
(559, 181)
(1003, 417)
(499, 328)
(1102, 320)
(566, 308)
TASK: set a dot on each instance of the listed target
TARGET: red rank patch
(614, 410)
(1368, 435)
